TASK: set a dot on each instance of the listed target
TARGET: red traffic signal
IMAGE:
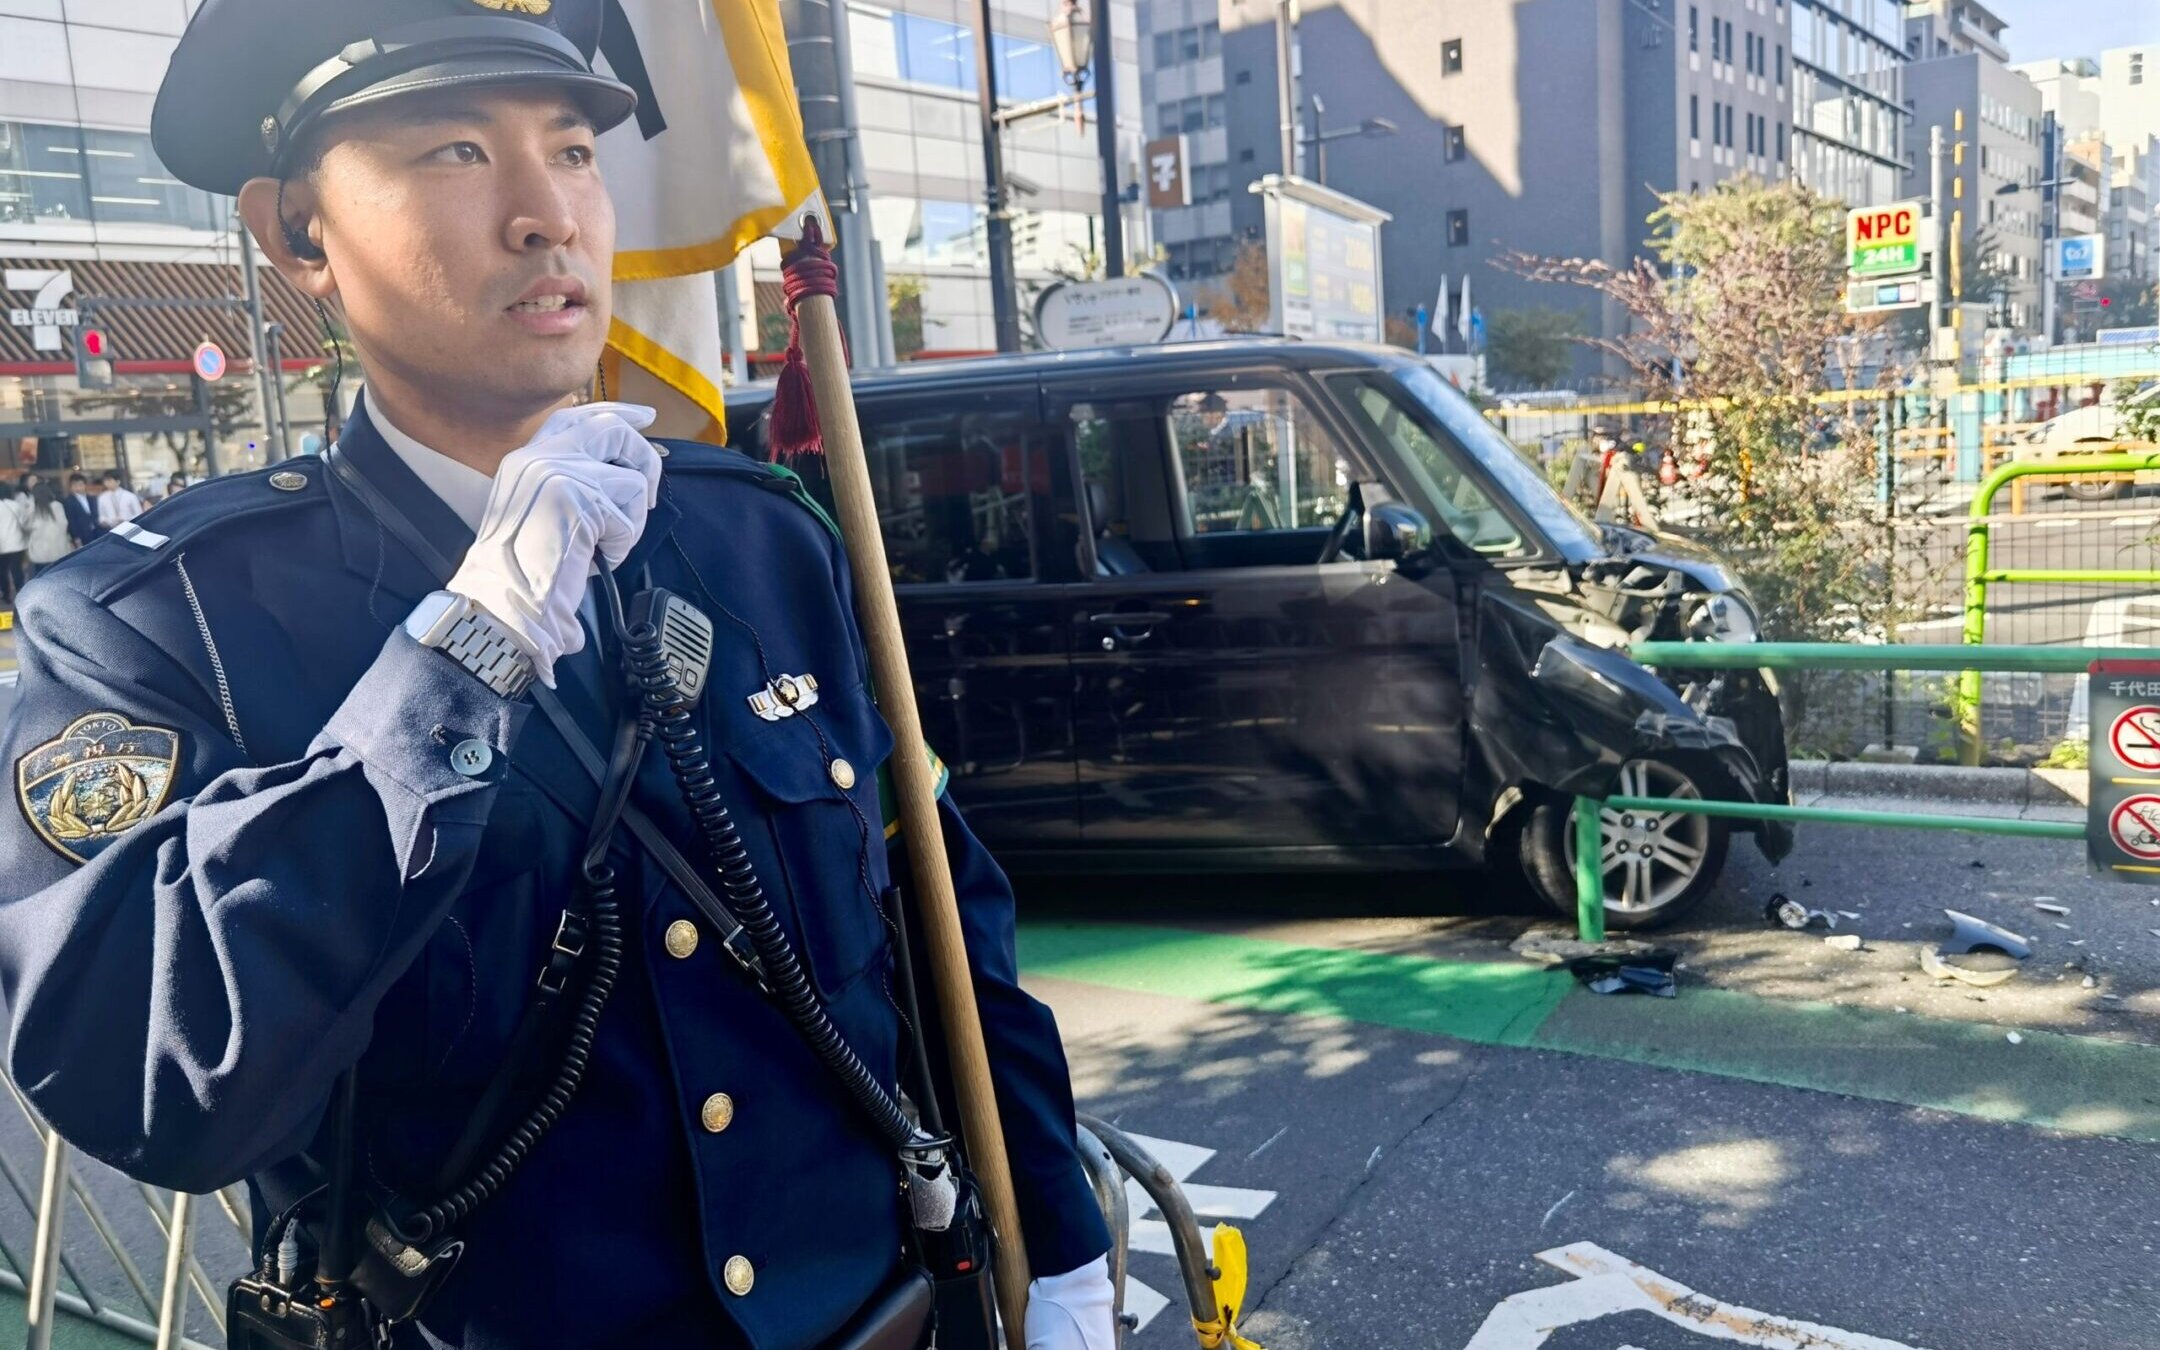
(93, 344)
(2105, 302)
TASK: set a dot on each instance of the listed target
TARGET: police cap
(251, 77)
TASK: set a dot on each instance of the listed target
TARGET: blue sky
(2040, 29)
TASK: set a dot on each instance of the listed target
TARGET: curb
(2023, 788)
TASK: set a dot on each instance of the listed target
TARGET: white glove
(1072, 1311)
(579, 488)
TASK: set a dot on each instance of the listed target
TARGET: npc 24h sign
(2122, 820)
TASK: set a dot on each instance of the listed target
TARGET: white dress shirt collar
(462, 488)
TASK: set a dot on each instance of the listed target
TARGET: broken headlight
(1723, 617)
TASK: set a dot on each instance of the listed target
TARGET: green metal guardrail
(1979, 576)
(1589, 837)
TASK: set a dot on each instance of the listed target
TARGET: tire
(2094, 489)
(1675, 883)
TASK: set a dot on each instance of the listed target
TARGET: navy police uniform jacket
(242, 860)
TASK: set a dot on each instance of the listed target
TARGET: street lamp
(1074, 38)
(1318, 139)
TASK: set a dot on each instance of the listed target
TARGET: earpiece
(296, 239)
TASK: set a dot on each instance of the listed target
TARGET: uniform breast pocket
(815, 779)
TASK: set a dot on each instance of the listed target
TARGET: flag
(1462, 316)
(714, 160)
(1440, 309)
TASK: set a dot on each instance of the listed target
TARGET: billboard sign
(1324, 256)
(1118, 312)
(1876, 297)
(1169, 173)
(1883, 241)
(2081, 257)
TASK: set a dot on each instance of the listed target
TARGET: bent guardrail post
(1195, 1265)
(1978, 575)
(1589, 869)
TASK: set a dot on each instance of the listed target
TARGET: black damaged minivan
(1258, 604)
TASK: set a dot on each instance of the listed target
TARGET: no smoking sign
(2122, 816)
(2135, 738)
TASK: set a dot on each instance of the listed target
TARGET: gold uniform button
(718, 1112)
(681, 938)
(737, 1275)
(843, 773)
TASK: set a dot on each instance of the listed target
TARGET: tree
(1532, 347)
(1240, 303)
(1736, 316)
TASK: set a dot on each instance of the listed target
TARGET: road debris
(2046, 908)
(1844, 942)
(1549, 946)
(2014, 1038)
(1788, 913)
(1649, 972)
(1555, 1209)
(2091, 983)
(1969, 934)
(1932, 963)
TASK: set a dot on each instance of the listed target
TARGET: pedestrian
(14, 517)
(117, 504)
(321, 763)
(81, 507)
(48, 535)
(28, 482)
(173, 485)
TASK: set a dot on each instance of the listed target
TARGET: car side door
(1230, 689)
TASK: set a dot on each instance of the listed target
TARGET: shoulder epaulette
(698, 457)
(109, 563)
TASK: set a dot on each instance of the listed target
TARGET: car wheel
(2094, 489)
(1658, 865)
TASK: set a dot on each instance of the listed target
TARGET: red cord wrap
(793, 430)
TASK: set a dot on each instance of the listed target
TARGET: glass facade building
(1848, 95)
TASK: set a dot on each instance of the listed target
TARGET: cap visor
(607, 102)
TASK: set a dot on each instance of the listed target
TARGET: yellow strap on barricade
(1230, 1277)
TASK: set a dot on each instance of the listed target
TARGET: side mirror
(1395, 532)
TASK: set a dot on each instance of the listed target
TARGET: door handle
(1129, 618)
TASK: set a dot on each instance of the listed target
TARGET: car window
(1254, 459)
(957, 491)
(1467, 511)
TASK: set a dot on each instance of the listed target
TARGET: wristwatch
(461, 630)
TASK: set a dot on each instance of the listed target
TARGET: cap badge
(270, 135)
(517, 6)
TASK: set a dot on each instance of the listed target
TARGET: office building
(920, 131)
(2085, 171)
(88, 214)
(2130, 219)
(1992, 184)
(1181, 82)
(2129, 86)
(1850, 140)
(2070, 89)
(1486, 126)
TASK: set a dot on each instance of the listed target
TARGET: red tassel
(793, 430)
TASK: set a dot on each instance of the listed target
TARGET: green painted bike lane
(2076, 1084)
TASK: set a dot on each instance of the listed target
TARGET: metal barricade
(1589, 836)
(50, 1266)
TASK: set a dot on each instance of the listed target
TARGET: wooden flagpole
(915, 787)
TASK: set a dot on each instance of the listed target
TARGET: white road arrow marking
(1606, 1285)
(1208, 1202)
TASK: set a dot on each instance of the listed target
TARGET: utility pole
(265, 378)
(1106, 143)
(1285, 96)
(1939, 264)
(818, 49)
(2051, 222)
(1004, 297)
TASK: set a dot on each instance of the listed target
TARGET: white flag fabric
(1439, 309)
(1462, 316)
(714, 160)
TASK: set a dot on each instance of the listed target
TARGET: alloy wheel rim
(1647, 859)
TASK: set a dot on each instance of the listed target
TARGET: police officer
(285, 806)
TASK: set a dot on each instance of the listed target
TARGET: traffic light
(93, 359)
(2105, 301)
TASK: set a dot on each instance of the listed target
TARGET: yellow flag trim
(757, 49)
(669, 369)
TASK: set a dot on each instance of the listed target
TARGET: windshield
(1469, 435)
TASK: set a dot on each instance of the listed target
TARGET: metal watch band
(485, 648)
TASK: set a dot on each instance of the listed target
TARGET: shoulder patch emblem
(95, 781)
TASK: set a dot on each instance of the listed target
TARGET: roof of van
(1167, 355)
